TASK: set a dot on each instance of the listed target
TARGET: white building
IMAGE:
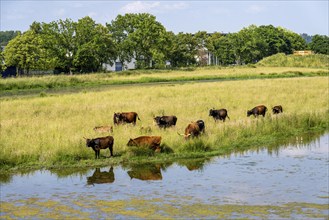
(119, 66)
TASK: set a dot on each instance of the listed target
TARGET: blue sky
(309, 17)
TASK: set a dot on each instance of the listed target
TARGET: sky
(304, 16)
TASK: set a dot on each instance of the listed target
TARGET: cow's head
(186, 136)
(157, 119)
(131, 142)
(211, 112)
(249, 112)
(117, 117)
(88, 142)
(276, 110)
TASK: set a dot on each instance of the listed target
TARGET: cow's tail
(138, 117)
(228, 117)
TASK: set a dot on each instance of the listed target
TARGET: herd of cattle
(193, 129)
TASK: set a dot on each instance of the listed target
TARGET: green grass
(282, 60)
(51, 83)
(48, 131)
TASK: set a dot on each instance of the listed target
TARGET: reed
(49, 130)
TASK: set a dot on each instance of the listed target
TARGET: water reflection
(100, 177)
(195, 164)
(305, 141)
(145, 172)
(151, 171)
(244, 186)
(66, 172)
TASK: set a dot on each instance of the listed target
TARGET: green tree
(141, 37)
(222, 47)
(306, 37)
(2, 62)
(183, 49)
(274, 40)
(320, 44)
(60, 38)
(26, 52)
(201, 38)
(296, 41)
(6, 36)
(94, 46)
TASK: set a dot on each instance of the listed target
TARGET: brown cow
(125, 117)
(103, 129)
(194, 129)
(146, 172)
(153, 142)
(277, 109)
(100, 177)
(258, 110)
(100, 143)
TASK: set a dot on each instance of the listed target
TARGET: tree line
(84, 46)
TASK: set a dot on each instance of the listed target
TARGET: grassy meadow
(49, 83)
(48, 130)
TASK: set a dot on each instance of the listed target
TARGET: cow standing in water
(125, 117)
(258, 110)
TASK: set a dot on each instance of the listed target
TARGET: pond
(286, 181)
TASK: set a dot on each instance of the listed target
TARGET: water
(287, 181)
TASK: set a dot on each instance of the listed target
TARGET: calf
(103, 129)
(258, 110)
(194, 129)
(152, 142)
(219, 114)
(165, 121)
(277, 109)
(100, 143)
(125, 117)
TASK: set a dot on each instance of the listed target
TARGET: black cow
(219, 114)
(258, 110)
(165, 121)
(201, 125)
(100, 143)
(277, 109)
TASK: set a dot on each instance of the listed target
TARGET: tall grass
(55, 82)
(49, 130)
(282, 60)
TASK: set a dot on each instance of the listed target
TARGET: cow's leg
(95, 153)
(111, 150)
